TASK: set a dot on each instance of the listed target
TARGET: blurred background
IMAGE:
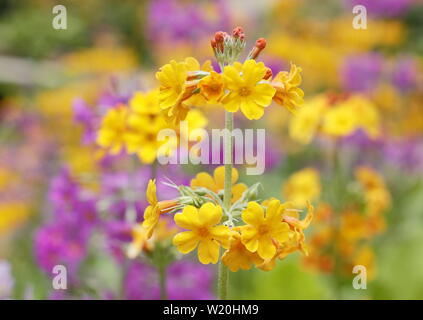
(62, 199)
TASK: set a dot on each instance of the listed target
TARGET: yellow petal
(251, 109)
(253, 72)
(266, 248)
(222, 234)
(185, 241)
(253, 214)
(209, 214)
(208, 252)
(249, 238)
(188, 218)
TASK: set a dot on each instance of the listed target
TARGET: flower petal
(188, 218)
(208, 252)
(185, 241)
(209, 214)
(253, 214)
(266, 248)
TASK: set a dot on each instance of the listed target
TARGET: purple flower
(404, 75)
(85, 116)
(59, 243)
(361, 73)
(179, 20)
(406, 154)
(63, 190)
(383, 8)
(185, 280)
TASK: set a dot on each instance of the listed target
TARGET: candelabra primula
(214, 211)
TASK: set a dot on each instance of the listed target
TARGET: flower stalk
(227, 196)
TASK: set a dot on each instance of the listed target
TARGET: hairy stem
(222, 286)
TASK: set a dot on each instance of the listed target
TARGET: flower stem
(222, 285)
(162, 281)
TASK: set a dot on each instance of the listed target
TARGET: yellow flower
(376, 193)
(264, 229)
(217, 182)
(146, 104)
(246, 91)
(305, 124)
(204, 232)
(237, 256)
(172, 77)
(139, 243)
(212, 87)
(112, 132)
(296, 238)
(368, 118)
(303, 186)
(155, 209)
(339, 121)
(174, 89)
(144, 124)
(12, 215)
(286, 84)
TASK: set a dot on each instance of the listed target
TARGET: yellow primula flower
(144, 124)
(264, 228)
(246, 89)
(217, 182)
(287, 93)
(175, 89)
(139, 243)
(238, 257)
(146, 104)
(112, 132)
(305, 124)
(368, 118)
(212, 87)
(341, 120)
(302, 187)
(204, 232)
(155, 209)
(172, 77)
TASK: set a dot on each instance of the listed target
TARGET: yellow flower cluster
(334, 117)
(246, 87)
(341, 238)
(266, 232)
(135, 127)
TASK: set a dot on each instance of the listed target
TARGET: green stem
(222, 284)
(222, 281)
(162, 281)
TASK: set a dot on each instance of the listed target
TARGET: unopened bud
(219, 38)
(259, 46)
(238, 32)
(261, 43)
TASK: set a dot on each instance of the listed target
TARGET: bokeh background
(364, 181)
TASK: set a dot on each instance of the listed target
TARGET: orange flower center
(263, 229)
(203, 232)
(244, 91)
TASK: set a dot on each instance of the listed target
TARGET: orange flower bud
(238, 32)
(261, 43)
